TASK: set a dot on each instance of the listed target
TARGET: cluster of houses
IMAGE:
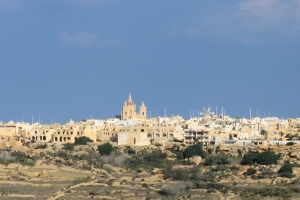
(134, 128)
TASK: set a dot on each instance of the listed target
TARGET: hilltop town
(135, 157)
(134, 128)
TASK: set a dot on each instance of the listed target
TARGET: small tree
(264, 133)
(264, 158)
(267, 158)
(82, 140)
(194, 150)
(286, 170)
(250, 171)
(290, 143)
(105, 149)
(281, 134)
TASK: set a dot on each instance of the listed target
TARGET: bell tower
(143, 111)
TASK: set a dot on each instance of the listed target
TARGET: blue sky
(76, 59)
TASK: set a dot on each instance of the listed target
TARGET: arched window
(171, 136)
(157, 136)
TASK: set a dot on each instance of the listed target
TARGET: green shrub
(131, 151)
(155, 156)
(41, 146)
(250, 171)
(264, 158)
(249, 159)
(146, 161)
(222, 168)
(266, 173)
(286, 175)
(194, 150)
(82, 140)
(105, 149)
(205, 177)
(295, 189)
(287, 167)
(179, 155)
(268, 158)
(177, 174)
(273, 192)
(286, 170)
(290, 143)
(216, 159)
(22, 158)
(68, 146)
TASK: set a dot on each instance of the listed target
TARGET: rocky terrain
(81, 172)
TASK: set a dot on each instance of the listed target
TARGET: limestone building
(129, 110)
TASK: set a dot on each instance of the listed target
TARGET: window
(149, 135)
(164, 135)
(142, 130)
(134, 130)
(157, 130)
(157, 136)
(171, 136)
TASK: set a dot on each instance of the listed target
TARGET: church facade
(129, 110)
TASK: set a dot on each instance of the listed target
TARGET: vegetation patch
(82, 140)
(264, 158)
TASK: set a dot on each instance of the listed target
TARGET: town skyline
(253, 113)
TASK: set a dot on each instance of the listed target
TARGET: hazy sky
(76, 59)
